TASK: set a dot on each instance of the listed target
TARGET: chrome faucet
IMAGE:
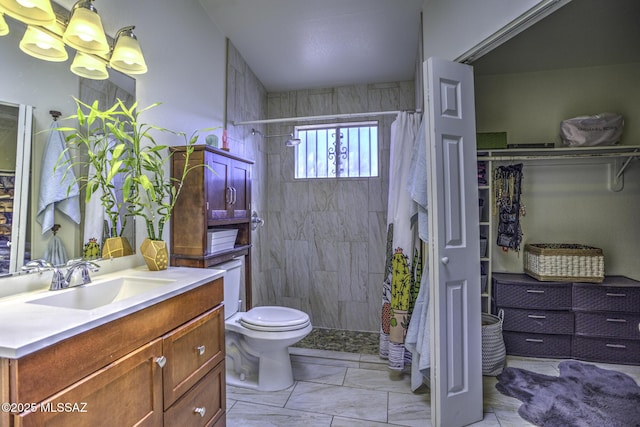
(60, 280)
(85, 267)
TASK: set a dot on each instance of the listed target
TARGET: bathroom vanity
(150, 353)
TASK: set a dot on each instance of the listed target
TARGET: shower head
(291, 142)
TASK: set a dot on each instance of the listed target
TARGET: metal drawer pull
(617, 320)
(200, 410)
(535, 291)
(201, 349)
(536, 316)
(616, 346)
(534, 340)
(161, 361)
(616, 295)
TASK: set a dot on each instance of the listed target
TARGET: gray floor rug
(583, 395)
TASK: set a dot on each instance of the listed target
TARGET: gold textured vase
(155, 254)
(115, 247)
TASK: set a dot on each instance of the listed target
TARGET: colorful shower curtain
(403, 267)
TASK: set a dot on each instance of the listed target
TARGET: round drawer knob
(201, 349)
(200, 411)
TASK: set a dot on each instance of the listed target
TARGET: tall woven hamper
(494, 352)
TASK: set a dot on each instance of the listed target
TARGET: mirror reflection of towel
(58, 188)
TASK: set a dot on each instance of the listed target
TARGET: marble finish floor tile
(342, 389)
(347, 402)
(255, 415)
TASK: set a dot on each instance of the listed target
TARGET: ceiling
(583, 33)
(305, 44)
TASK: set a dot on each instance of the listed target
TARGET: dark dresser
(607, 318)
(538, 320)
(587, 321)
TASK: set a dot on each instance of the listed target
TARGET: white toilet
(257, 341)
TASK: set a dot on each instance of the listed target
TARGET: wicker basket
(559, 262)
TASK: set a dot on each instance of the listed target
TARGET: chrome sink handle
(85, 267)
(38, 265)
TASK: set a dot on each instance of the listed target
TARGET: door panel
(454, 266)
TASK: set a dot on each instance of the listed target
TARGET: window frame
(339, 154)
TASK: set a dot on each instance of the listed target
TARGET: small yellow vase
(115, 247)
(155, 254)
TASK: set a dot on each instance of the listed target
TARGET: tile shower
(322, 247)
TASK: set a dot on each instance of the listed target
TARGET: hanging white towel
(55, 252)
(54, 184)
(417, 181)
(418, 335)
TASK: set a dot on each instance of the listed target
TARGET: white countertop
(26, 327)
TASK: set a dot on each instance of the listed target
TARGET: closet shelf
(619, 155)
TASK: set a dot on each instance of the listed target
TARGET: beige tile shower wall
(247, 100)
(324, 246)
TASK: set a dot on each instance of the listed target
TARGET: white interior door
(454, 262)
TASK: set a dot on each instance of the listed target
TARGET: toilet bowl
(257, 341)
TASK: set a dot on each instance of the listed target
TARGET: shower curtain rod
(325, 117)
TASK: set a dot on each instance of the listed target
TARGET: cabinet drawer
(607, 350)
(191, 351)
(534, 295)
(602, 324)
(538, 321)
(203, 405)
(606, 298)
(537, 345)
(128, 390)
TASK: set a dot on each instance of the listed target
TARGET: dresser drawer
(606, 298)
(538, 321)
(203, 405)
(537, 345)
(603, 324)
(556, 296)
(191, 351)
(607, 350)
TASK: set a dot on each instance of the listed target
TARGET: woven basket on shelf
(559, 262)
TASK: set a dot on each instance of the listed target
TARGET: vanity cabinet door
(191, 351)
(125, 393)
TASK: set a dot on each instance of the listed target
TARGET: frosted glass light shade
(87, 66)
(34, 12)
(41, 45)
(4, 28)
(127, 56)
(85, 32)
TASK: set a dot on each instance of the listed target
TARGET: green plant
(89, 145)
(148, 192)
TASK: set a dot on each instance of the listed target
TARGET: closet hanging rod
(559, 156)
(324, 117)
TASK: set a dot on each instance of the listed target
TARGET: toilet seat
(274, 319)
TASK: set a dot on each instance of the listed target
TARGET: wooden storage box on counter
(559, 262)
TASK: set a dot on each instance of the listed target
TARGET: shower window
(337, 151)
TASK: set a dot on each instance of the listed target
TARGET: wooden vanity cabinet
(162, 365)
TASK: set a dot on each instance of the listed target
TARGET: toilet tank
(232, 279)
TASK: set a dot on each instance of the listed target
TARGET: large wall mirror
(45, 86)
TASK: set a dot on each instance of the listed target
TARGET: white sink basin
(99, 294)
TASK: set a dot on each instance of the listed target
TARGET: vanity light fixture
(89, 66)
(34, 12)
(42, 45)
(4, 28)
(84, 31)
(127, 55)
(46, 36)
